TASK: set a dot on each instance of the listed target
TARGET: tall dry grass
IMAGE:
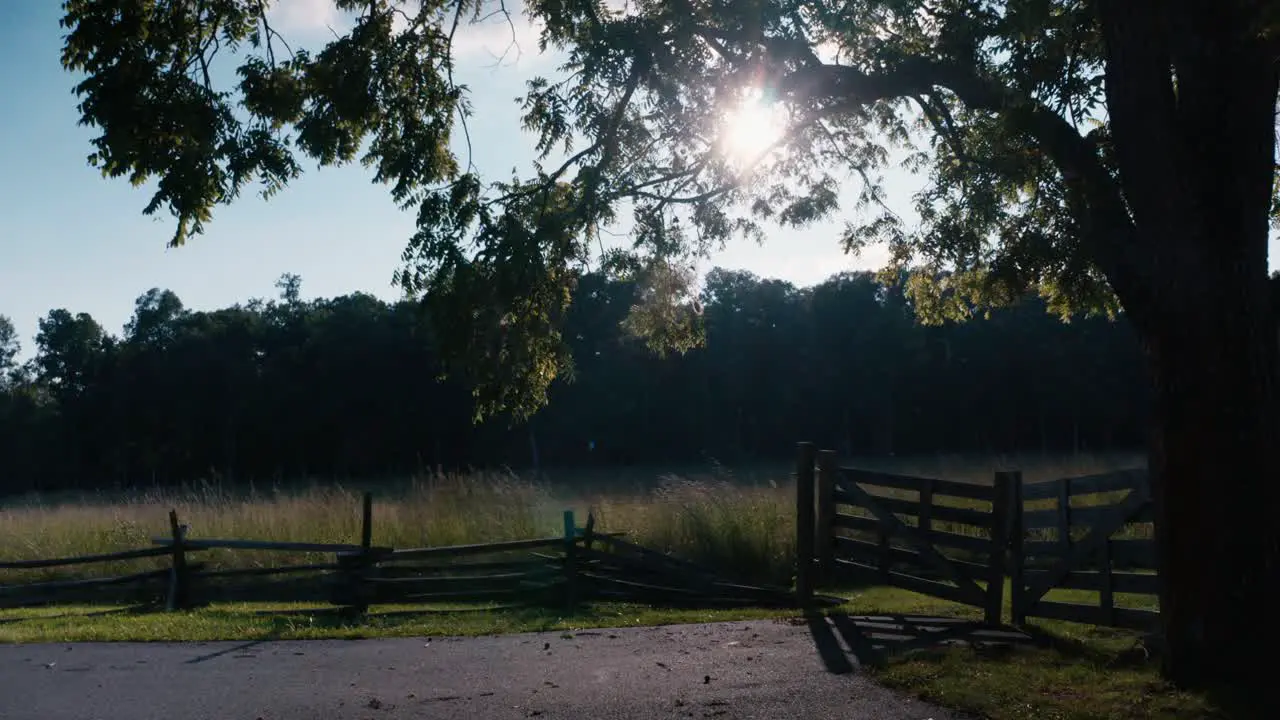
(740, 523)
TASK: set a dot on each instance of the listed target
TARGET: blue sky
(70, 238)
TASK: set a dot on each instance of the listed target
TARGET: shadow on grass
(351, 617)
(1136, 656)
(1232, 703)
(533, 615)
(1054, 676)
(137, 609)
(873, 640)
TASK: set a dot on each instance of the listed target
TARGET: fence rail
(269, 545)
(964, 542)
(579, 565)
(83, 559)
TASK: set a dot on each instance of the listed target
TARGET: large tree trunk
(1191, 90)
(1213, 468)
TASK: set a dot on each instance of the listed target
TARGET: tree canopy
(1001, 104)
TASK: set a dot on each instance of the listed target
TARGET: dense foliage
(1000, 104)
(344, 387)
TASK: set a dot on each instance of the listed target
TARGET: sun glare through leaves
(751, 129)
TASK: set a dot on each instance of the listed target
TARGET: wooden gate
(1069, 546)
(938, 537)
(1085, 535)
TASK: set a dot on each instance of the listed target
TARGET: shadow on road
(872, 640)
(238, 648)
(834, 657)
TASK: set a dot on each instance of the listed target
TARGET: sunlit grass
(301, 621)
(746, 531)
(739, 521)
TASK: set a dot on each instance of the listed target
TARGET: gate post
(1013, 541)
(826, 530)
(1003, 511)
(806, 453)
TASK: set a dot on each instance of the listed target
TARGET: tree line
(351, 387)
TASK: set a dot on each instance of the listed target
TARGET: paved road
(727, 671)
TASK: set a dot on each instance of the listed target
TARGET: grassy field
(739, 521)
(745, 529)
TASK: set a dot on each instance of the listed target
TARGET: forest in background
(348, 387)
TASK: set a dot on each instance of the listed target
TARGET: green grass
(295, 621)
(1072, 672)
(291, 621)
(1045, 684)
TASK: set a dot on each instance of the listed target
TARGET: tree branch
(453, 85)
(944, 126)
(1141, 101)
(1111, 237)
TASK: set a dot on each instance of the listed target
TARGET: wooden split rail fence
(1089, 536)
(578, 566)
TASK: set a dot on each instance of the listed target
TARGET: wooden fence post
(1064, 516)
(924, 522)
(884, 556)
(366, 523)
(828, 468)
(805, 456)
(588, 533)
(1107, 595)
(1017, 558)
(359, 567)
(1002, 510)
(570, 564)
(179, 576)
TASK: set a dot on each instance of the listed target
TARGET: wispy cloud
(305, 17)
(509, 38)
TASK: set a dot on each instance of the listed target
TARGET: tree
(69, 351)
(290, 287)
(155, 313)
(10, 346)
(1103, 153)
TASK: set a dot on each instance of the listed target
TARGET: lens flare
(750, 129)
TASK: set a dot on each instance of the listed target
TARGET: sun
(751, 128)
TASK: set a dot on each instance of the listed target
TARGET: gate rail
(963, 541)
(1074, 545)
